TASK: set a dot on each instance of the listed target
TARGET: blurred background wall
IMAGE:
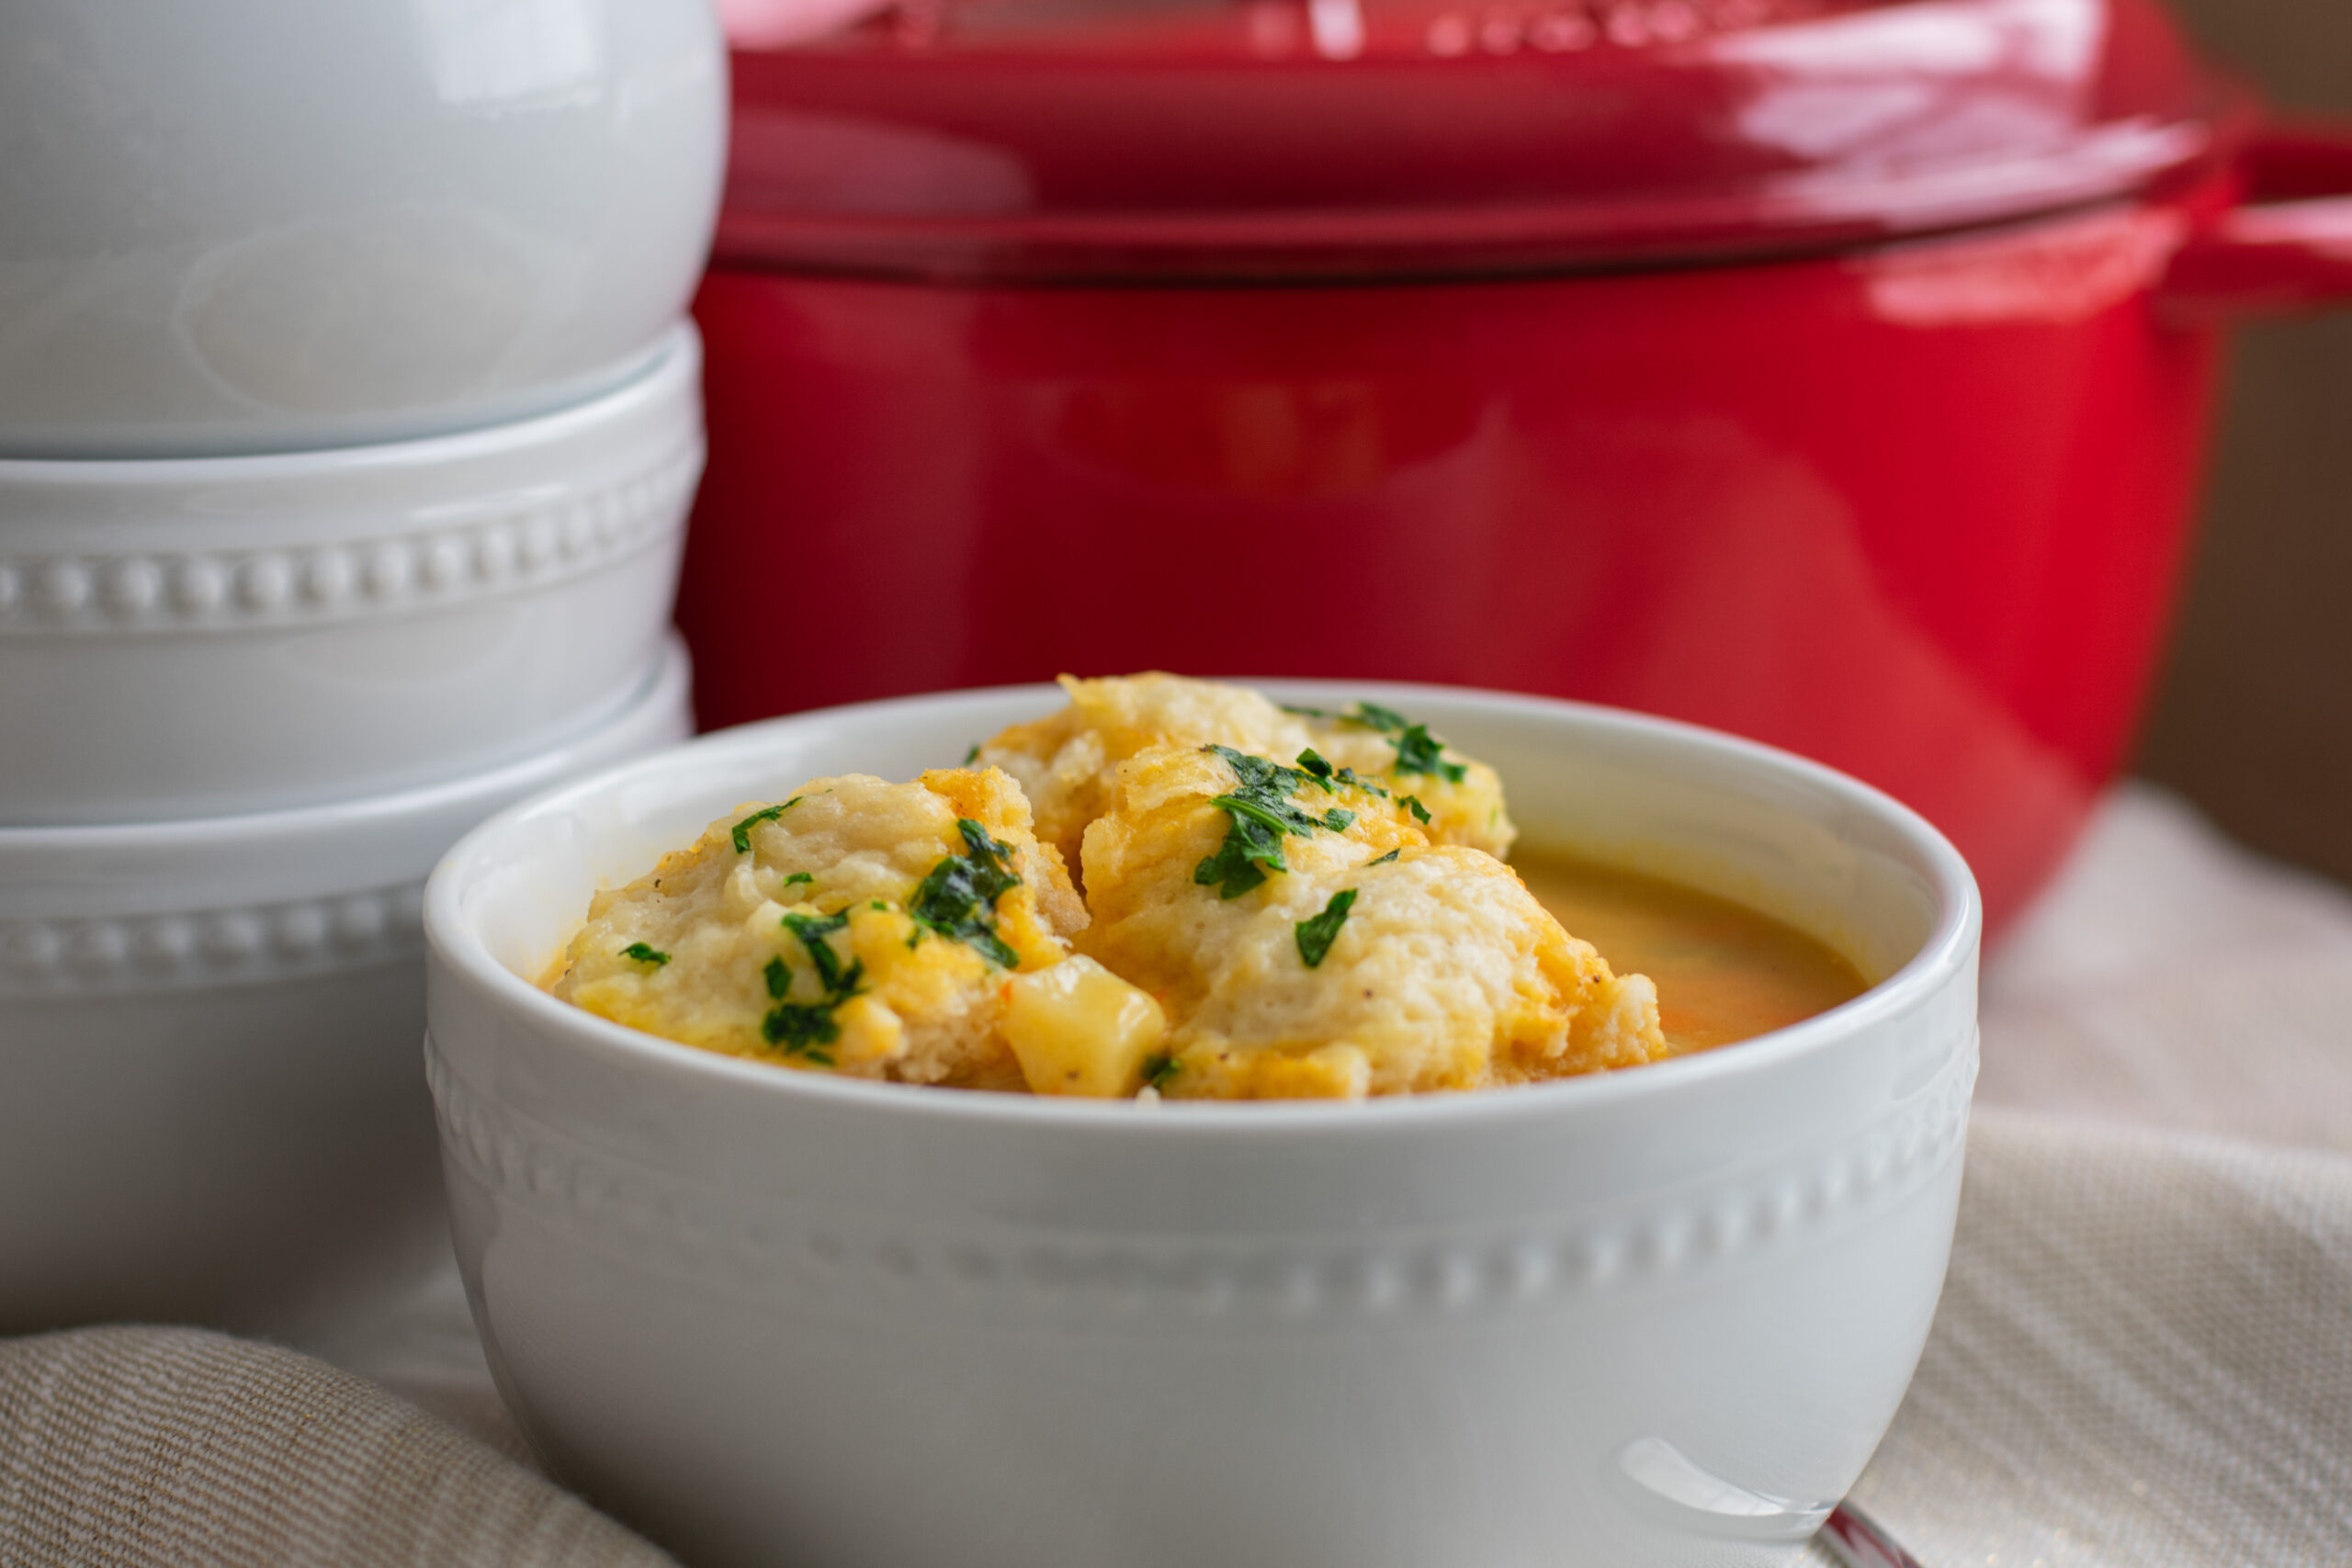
(2254, 718)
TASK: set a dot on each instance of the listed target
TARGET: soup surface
(1724, 972)
(1179, 887)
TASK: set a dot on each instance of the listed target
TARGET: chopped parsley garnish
(1260, 815)
(1386, 858)
(1417, 751)
(957, 900)
(1158, 1072)
(1316, 935)
(743, 828)
(1318, 771)
(1372, 715)
(812, 929)
(645, 955)
(802, 1027)
(1412, 803)
(973, 755)
(798, 877)
(1302, 710)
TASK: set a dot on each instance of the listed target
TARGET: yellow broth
(1724, 972)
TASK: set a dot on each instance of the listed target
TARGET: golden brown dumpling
(1068, 761)
(860, 926)
(1369, 962)
(1283, 905)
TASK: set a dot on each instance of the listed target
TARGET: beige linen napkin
(2143, 1355)
(2171, 979)
(2142, 1359)
(132, 1446)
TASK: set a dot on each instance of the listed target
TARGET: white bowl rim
(653, 378)
(1947, 952)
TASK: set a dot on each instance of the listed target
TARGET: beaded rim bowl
(193, 637)
(212, 1111)
(272, 895)
(1610, 1294)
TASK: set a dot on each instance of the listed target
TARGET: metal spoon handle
(1855, 1540)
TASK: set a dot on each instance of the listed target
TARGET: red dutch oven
(1832, 371)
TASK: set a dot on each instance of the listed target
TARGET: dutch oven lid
(1070, 139)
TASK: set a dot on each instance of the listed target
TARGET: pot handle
(2288, 248)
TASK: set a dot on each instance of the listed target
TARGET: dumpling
(1364, 959)
(1276, 904)
(864, 926)
(1068, 761)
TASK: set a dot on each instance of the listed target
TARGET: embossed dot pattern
(234, 591)
(694, 1230)
(177, 951)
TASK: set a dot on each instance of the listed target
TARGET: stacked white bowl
(348, 423)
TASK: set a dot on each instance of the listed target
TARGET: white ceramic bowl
(1657, 1317)
(259, 225)
(196, 636)
(210, 1107)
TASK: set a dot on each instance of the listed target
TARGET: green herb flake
(1240, 863)
(1419, 751)
(1386, 859)
(1316, 935)
(798, 877)
(1158, 1072)
(1260, 815)
(802, 1027)
(957, 900)
(840, 983)
(1412, 803)
(1314, 766)
(743, 828)
(1304, 712)
(644, 954)
(1372, 715)
(973, 755)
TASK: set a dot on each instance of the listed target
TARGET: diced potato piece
(1076, 1028)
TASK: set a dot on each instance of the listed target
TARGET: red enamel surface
(1831, 371)
(2290, 249)
(1917, 512)
(1027, 140)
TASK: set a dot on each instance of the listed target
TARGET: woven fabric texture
(2143, 1360)
(132, 1446)
(2171, 979)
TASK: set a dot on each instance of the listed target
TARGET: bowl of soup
(765, 1307)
